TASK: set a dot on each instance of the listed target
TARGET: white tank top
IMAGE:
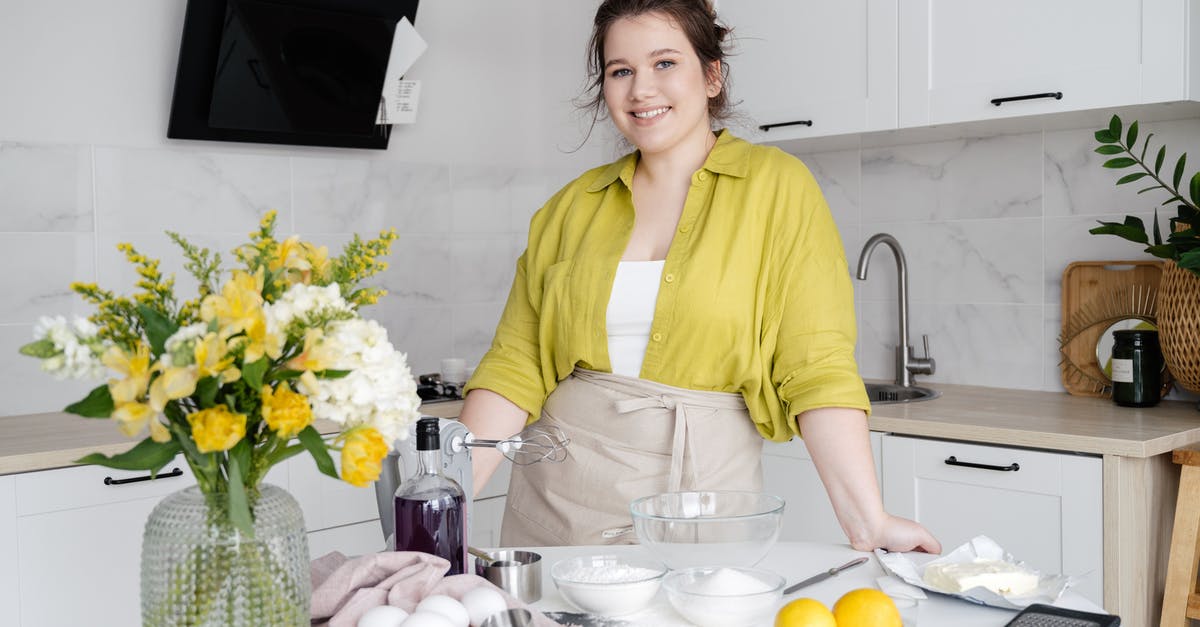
(630, 314)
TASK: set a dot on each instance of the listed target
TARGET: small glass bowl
(736, 528)
(724, 596)
(594, 584)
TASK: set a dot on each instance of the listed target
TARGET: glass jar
(1137, 365)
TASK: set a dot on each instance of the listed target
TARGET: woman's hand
(901, 534)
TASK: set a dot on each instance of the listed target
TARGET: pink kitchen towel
(343, 588)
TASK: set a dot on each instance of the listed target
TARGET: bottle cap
(428, 434)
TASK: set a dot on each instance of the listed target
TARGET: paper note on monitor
(398, 103)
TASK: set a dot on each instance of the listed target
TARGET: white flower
(309, 305)
(379, 391)
(179, 348)
(77, 347)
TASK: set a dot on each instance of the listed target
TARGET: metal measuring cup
(518, 573)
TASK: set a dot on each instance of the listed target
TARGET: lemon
(805, 613)
(866, 607)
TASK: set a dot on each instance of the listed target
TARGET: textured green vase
(197, 569)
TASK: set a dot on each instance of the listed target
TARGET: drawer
(85, 486)
(1038, 472)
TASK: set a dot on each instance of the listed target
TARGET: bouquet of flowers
(235, 377)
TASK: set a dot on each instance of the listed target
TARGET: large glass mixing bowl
(716, 528)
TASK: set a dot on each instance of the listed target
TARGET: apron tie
(679, 441)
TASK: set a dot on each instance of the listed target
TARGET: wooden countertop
(1046, 420)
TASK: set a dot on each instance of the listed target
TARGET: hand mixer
(536, 443)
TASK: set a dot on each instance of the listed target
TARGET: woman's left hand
(901, 534)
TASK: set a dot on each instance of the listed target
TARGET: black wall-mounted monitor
(303, 72)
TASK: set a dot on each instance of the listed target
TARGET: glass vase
(198, 569)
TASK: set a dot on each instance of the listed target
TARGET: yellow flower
(286, 412)
(362, 456)
(135, 367)
(217, 428)
(175, 382)
(319, 266)
(302, 262)
(260, 341)
(212, 358)
(237, 306)
(132, 417)
(319, 353)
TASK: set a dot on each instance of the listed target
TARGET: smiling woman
(676, 307)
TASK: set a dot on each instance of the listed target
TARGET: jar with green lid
(1137, 365)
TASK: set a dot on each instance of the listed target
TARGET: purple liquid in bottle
(433, 526)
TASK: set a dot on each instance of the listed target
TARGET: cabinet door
(81, 539)
(829, 62)
(788, 472)
(1045, 510)
(9, 597)
(956, 56)
(486, 516)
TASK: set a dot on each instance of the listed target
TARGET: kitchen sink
(885, 393)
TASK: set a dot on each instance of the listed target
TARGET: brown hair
(697, 20)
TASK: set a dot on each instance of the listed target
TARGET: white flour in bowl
(618, 573)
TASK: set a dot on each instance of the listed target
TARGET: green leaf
(41, 349)
(1194, 190)
(1105, 137)
(206, 391)
(1158, 161)
(1114, 127)
(1157, 233)
(1132, 229)
(147, 455)
(1178, 178)
(285, 374)
(1120, 162)
(332, 374)
(1129, 178)
(1162, 251)
(320, 453)
(1190, 260)
(252, 373)
(1110, 149)
(1151, 188)
(97, 404)
(158, 327)
(1145, 147)
(239, 507)
(284, 453)
(1131, 136)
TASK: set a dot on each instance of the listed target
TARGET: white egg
(481, 603)
(427, 619)
(446, 606)
(383, 616)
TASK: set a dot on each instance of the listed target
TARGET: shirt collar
(730, 155)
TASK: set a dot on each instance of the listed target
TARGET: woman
(676, 307)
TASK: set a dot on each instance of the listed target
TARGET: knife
(825, 575)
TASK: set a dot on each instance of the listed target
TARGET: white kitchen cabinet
(486, 516)
(957, 56)
(1043, 507)
(329, 503)
(828, 62)
(788, 472)
(10, 597)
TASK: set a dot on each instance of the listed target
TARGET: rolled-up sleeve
(813, 363)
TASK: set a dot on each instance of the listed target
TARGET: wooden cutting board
(1095, 295)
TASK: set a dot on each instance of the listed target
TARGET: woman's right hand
(901, 534)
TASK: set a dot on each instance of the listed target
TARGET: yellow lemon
(805, 613)
(866, 607)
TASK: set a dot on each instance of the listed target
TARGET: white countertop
(797, 561)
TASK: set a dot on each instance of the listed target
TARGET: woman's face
(655, 87)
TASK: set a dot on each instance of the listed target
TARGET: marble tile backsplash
(988, 224)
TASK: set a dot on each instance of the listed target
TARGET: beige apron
(629, 438)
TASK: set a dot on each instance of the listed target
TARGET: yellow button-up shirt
(755, 296)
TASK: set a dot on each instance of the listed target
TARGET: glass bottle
(1137, 365)
(430, 507)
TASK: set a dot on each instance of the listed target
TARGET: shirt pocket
(557, 307)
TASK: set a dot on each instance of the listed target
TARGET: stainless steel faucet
(907, 364)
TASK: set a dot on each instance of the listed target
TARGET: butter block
(1003, 578)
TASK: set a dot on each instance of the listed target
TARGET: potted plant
(1178, 301)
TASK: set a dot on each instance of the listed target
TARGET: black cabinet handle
(174, 473)
(1057, 95)
(767, 127)
(953, 461)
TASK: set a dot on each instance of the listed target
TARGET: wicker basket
(1179, 324)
